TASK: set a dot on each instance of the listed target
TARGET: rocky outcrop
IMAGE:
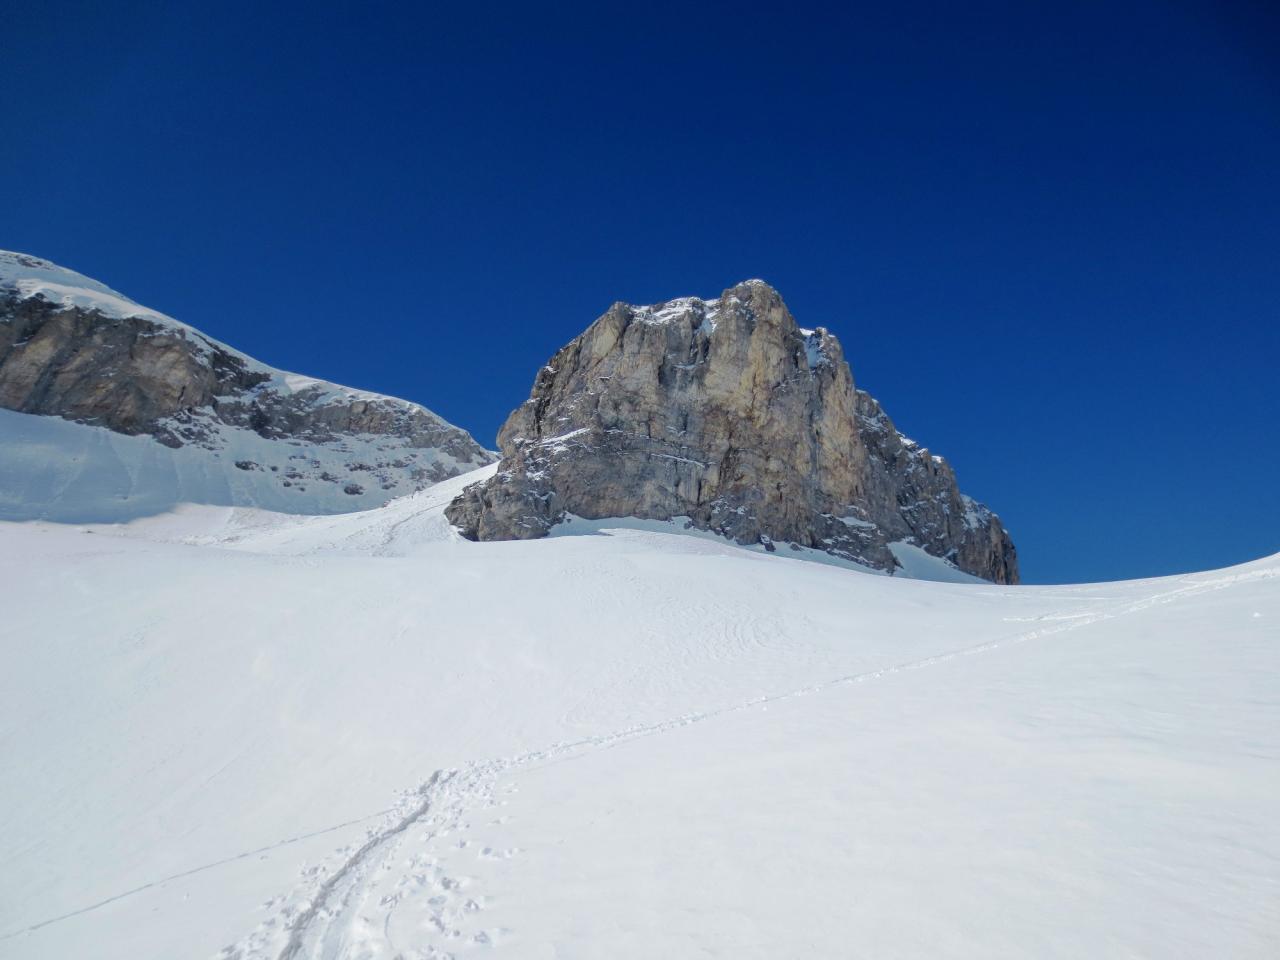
(726, 413)
(73, 348)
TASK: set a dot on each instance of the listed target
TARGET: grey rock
(727, 413)
(133, 375)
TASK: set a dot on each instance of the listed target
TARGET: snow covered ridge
(33, 277)
(36, 277)
(242, 432)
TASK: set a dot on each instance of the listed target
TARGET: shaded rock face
(72, 348)
(727, 413)
(133, 375)
(124, 373)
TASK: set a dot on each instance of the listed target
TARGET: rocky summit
(240, 432)
(727, 416)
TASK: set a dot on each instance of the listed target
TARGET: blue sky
(1049, 239)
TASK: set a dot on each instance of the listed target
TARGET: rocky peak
(727, 413)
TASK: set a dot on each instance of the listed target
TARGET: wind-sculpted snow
(655, 744)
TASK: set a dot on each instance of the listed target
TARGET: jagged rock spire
(725, 411)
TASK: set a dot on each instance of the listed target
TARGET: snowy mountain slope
(154, 413)
(360, 736)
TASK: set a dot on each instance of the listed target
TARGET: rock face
(73, 348)
(727, 413)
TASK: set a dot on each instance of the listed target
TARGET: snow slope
(54, 469)
(227, 732)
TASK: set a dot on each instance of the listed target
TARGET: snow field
(233, 733)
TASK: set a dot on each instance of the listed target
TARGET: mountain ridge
(731, 414)
(722, 413)
(73, 348)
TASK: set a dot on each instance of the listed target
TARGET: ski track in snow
(343, 916)
(354, 905)
(288, 841)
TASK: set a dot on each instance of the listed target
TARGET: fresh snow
(230, 732)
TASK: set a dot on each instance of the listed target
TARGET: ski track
(338, 913)
(288, 841)
(318, 915)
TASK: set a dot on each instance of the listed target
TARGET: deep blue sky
(1049, 239)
